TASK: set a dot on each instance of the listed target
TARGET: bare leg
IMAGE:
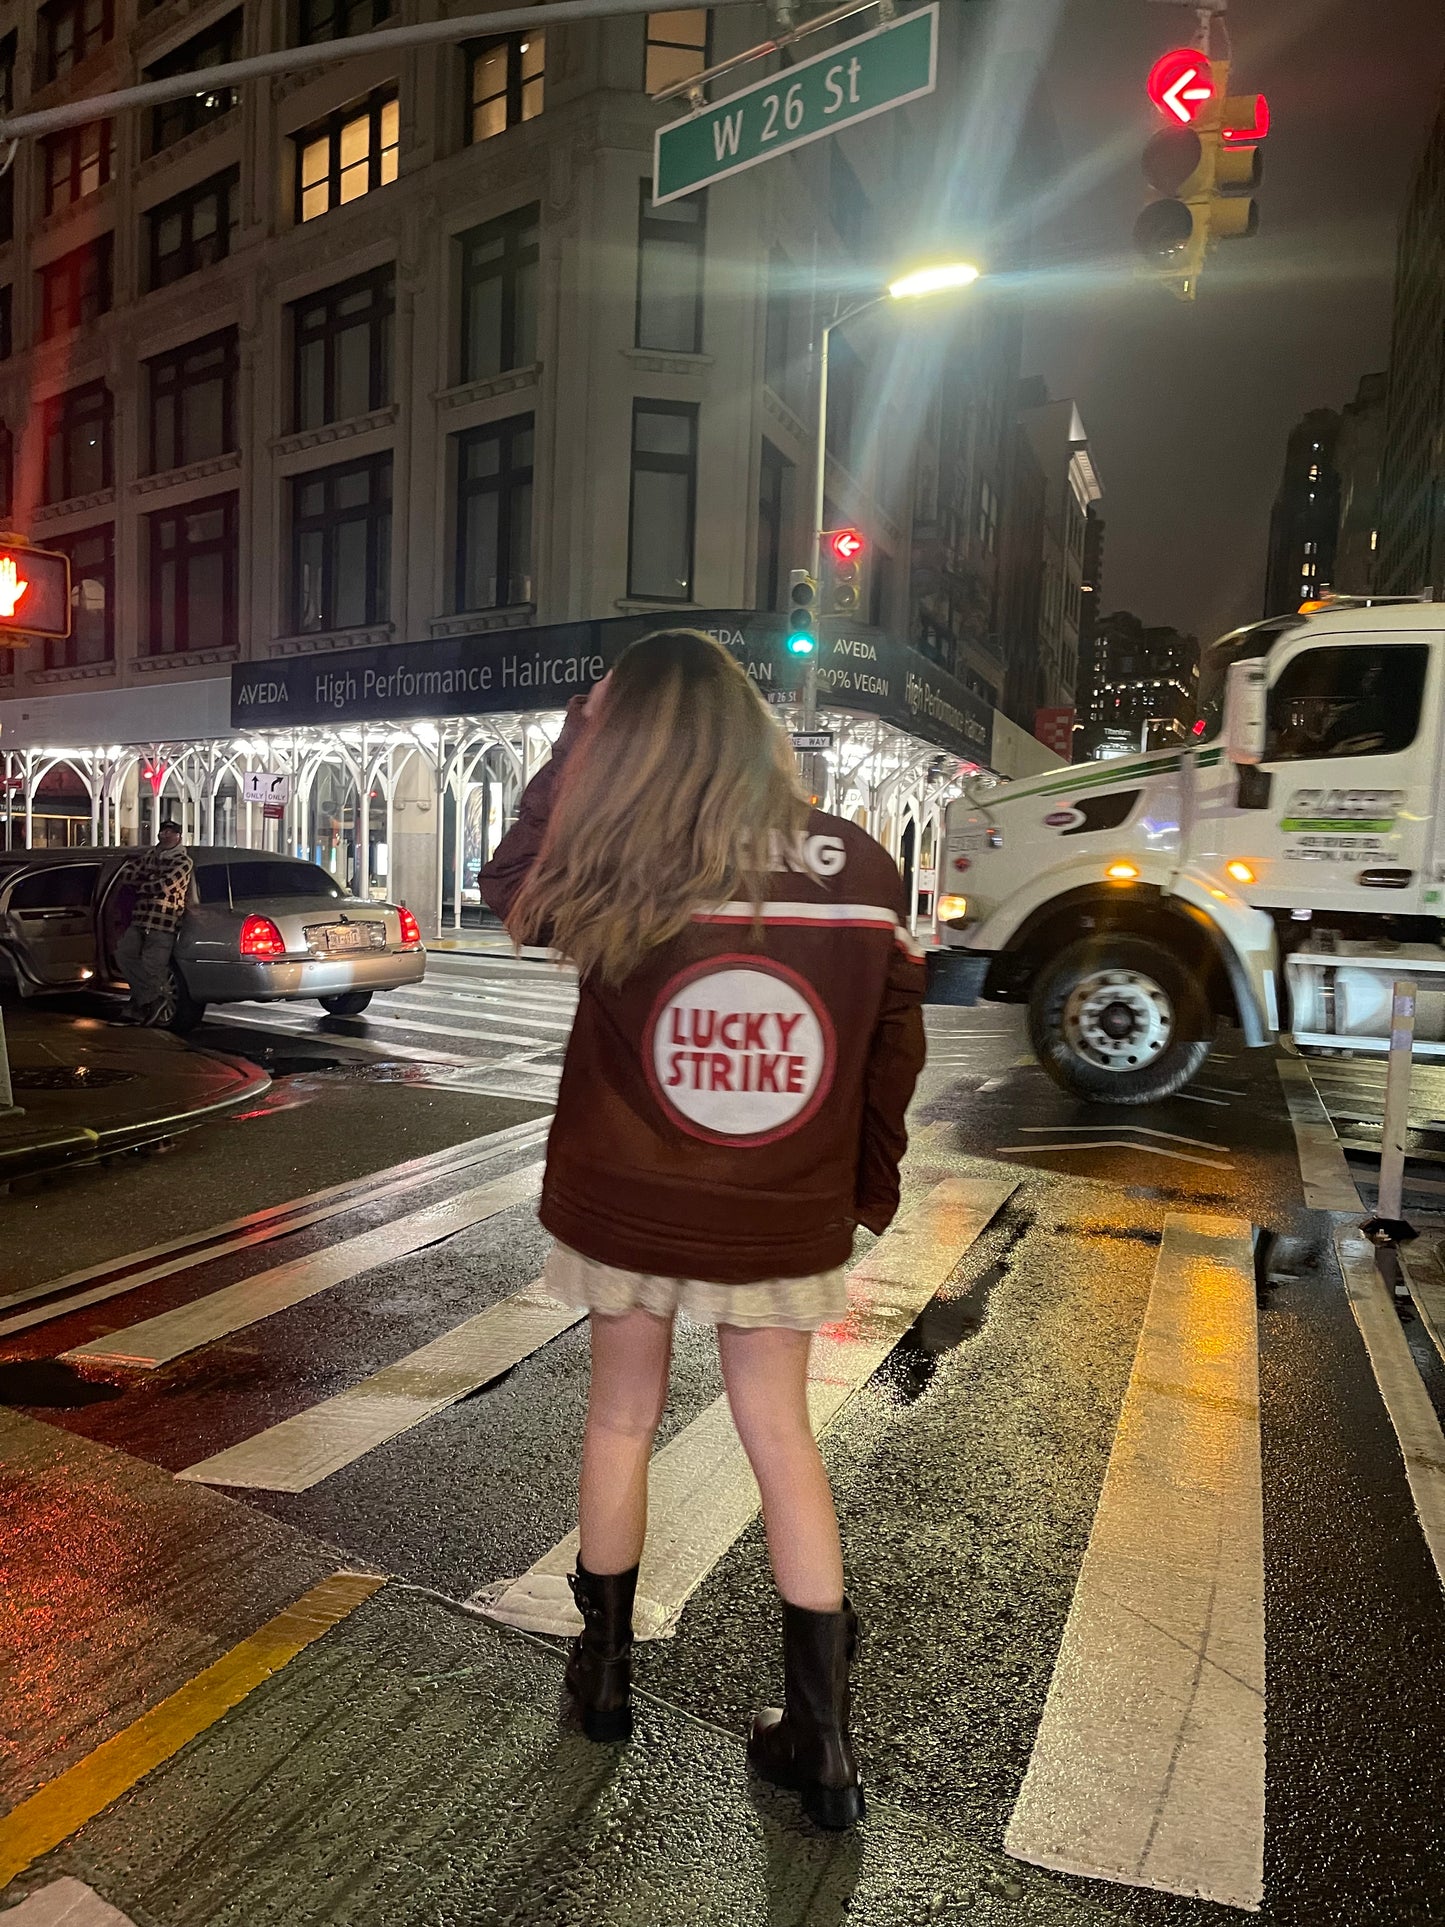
(631, 1356)
(766, 1374)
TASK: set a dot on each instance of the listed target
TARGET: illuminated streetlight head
(934, 280)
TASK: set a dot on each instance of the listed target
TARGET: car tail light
(261, 938)
(410, 930)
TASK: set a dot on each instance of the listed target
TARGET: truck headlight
(951, 909)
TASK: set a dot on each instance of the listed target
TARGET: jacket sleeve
(895, 1058)
(502, 878)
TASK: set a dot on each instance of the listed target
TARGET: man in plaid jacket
(162, 879)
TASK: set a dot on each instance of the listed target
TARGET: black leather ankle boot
(599, 1666)
(806, 1745)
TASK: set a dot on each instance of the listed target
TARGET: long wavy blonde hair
(672, 800)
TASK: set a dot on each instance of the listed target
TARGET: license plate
(339, 936)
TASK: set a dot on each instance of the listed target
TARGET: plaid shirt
(163, 887)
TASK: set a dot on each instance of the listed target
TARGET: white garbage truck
(1279, 872)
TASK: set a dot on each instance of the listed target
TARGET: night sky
(1188, 406)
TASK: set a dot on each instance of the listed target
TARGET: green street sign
(895, 63)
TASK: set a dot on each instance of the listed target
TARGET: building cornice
(103, 498)
(227, 464)
(338, 639)
(331, 432)
(509, 382)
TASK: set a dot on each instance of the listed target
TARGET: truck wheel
(1119, 1020)
(346, 1003)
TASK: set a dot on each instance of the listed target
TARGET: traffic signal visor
(34, 593)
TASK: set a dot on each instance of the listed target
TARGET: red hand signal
(12, 586)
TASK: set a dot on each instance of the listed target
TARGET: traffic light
(34, 593)
(803, 614)
(843, 552)
(1203, 165)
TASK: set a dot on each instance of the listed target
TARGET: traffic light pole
(820, 497)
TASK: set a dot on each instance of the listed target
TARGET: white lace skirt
(800, 1304)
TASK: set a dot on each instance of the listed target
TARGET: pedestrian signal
(34, 593)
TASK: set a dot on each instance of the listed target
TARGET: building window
(7, 70)
(986, 524)
(506, 79)
(494, 515)
(92, 600)
(173, 120)
(193, 552)
(845, 392)
(780, 361)
(341, 546)
(772, 516)
(335, 19)
(77, 163)
(663, 507)
(70, 31)
(7, 328)
(670, 247)
(193, 230)
(76, 288)
(77, 442)
(847, 203)
(499, 295)
(193, 402)
(342, 340)
(349, 154)
(677, 46)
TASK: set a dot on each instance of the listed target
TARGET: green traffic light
(800, 643)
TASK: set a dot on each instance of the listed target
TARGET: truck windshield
(1240, 645)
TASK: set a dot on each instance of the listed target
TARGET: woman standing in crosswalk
(732, 1107)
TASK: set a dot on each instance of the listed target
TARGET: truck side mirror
(1246, 696)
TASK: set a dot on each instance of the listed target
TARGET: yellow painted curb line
(84, 1790)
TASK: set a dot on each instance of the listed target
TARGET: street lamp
(942, 277)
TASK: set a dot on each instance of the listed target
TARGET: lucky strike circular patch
(739, 1050)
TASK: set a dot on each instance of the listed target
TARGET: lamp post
(941, 278)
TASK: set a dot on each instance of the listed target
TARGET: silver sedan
(272, 928)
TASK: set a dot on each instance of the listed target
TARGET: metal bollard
(1389, 1222)
(8, 1106)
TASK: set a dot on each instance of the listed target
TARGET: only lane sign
(896, 62)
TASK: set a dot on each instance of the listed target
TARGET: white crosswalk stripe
(155, 1341)
(485, 1010)
(1148, 1767)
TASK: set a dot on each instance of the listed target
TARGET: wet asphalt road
(408, 1767)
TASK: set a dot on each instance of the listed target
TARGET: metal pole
(1389, 1219)
(815, 562)
(8, 1106)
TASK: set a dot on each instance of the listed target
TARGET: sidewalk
(86, 1088)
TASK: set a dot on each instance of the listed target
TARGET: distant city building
(1142, 690)
(1304, 526)
(1411, 554)
(1021, 578)
(1359, 454)
(1071, 488)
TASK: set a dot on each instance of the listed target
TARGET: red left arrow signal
(1181, 85)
